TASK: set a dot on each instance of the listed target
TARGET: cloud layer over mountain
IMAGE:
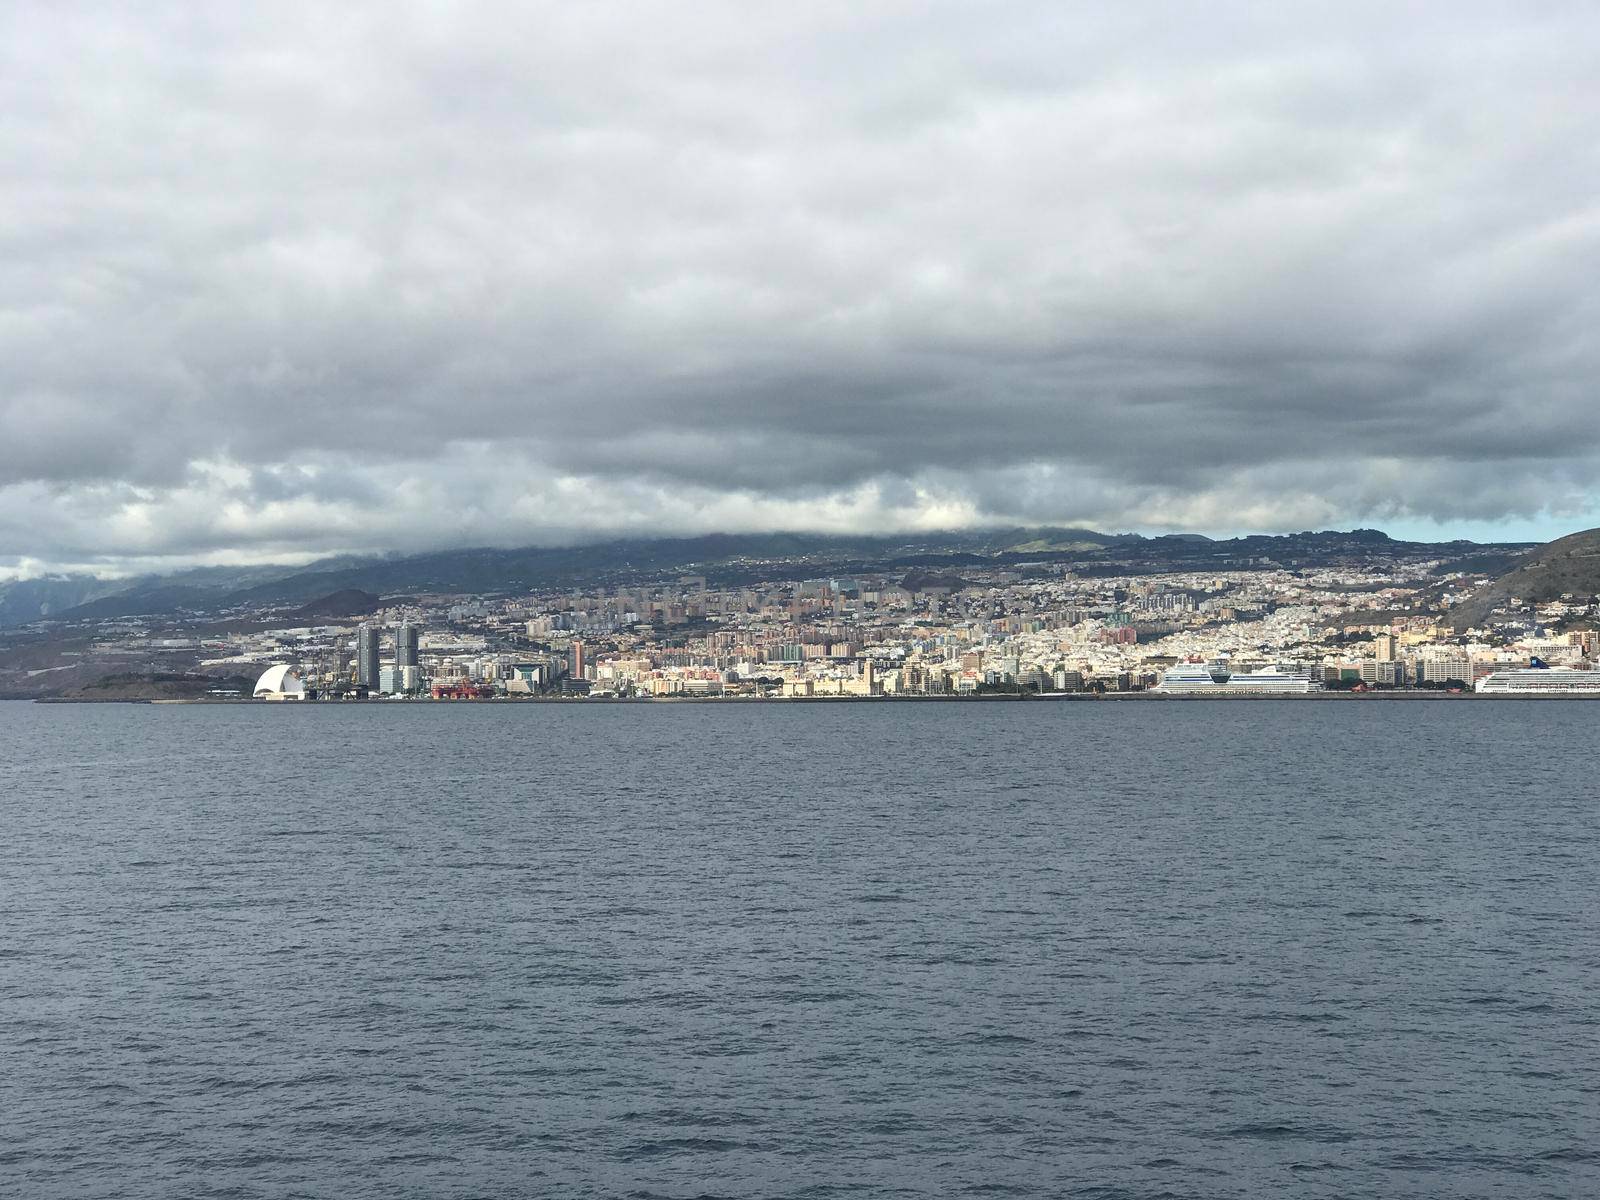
(287, 279)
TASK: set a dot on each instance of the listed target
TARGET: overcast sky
(279, 280)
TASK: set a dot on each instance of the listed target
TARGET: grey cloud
(293, 280)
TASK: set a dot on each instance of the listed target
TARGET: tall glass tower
(405, 646)
(367, 637)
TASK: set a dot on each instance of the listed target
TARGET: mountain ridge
(733, 559)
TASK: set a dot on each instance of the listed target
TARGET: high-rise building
(578, 662)
(405, 645)
(1383, 647)
(367, 639)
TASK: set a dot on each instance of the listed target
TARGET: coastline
(1047, 697)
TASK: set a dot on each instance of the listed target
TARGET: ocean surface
(1082, 949)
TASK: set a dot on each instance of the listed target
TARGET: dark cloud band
(279, 284)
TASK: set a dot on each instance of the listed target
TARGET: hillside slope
(1547, 572)
(739, 559)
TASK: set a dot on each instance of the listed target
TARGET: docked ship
(1540, 680)
(1218, 679)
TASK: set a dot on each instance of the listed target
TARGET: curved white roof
(279, 680)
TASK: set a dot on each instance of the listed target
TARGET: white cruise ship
(1540, 680)
(1216, 679)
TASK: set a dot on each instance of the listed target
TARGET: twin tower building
(400, 676)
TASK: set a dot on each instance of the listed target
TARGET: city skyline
(1386, 620)
(1354, 613)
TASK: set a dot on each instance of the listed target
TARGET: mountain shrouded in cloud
(288, 280)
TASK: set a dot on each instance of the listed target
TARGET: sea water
(677, 950)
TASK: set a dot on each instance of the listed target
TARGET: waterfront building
(527, 677)
(279, 682)
(1442, 668)
(1067, 681)
(367, 641)
(1382, 672)
(405, 645)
